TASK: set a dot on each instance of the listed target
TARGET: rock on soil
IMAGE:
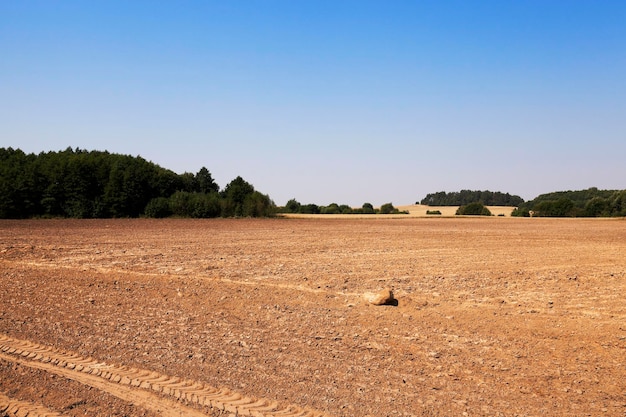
(383, 297)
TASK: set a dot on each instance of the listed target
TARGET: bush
(520, 212)
(258, 205)
(158, 208)
(434, 212)
(332, 208)
(368, 208)
(473, 209)
(345, 209)
(388, 208)
(293, 206)
(180, 204)
(310, 209)
(205, 206)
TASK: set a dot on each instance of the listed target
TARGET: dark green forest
(77, 183)
(464, 197)
(584, 203)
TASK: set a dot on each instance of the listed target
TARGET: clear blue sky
(328, 101)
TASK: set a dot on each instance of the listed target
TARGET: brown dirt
(495, 316)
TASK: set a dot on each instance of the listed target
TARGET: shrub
(473, 209)
(158, 208)
(293, 206)
(345, 209)
(368, 208)
(388, 208)
(258, 205)
(180, 204)
(520, 212)
(205, 205)
(310, 209)
(332, 208)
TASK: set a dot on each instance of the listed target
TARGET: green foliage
(192, 204)
(332, 208)
(345, 209)
(158, 208)
(368, 208)
(388, 208)
(433, 212)
(240, 199)
(235, 195)
(597, 207)
(310, 209)
(18, 180)
(293, 206)
(473, 209)
(520, 212)
(335, 208)
(259, 205)
(577, 197)
(205, 183)
(205, 205)
(554, 208)
(618, 203)
(464, 197)
(180, 204)
(93, 184)
(584, 203)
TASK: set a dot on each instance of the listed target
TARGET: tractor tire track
(16, 408)
(170, 396)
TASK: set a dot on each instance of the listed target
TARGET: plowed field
(495, 317)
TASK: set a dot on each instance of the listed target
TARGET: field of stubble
(495, 316)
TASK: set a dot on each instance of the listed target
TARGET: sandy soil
(495, 316)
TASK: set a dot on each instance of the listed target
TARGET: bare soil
(496, 316)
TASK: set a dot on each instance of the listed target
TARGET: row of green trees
(591, 202)
(293, 206)
(464, 197)
(93, 184)
(584, 203)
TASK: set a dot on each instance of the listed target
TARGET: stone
(384, 297)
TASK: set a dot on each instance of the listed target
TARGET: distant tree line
(94, 184)
(293, 206)
(464, 197)
(584, 203)
(591, 202)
